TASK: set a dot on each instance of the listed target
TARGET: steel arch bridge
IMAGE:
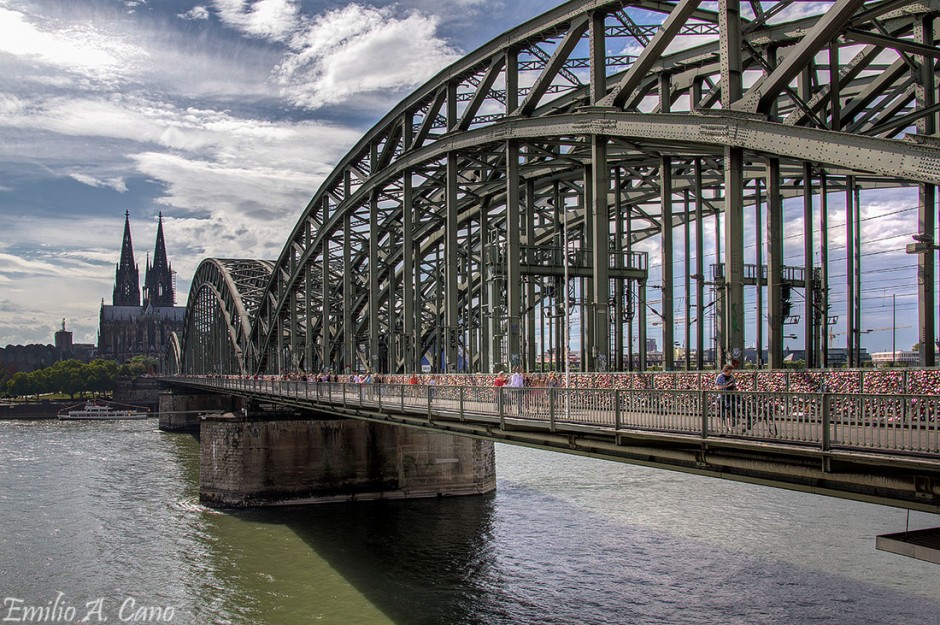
(508, 195)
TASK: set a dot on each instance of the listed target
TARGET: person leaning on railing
(728, 401)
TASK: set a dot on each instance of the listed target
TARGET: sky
(223, 115)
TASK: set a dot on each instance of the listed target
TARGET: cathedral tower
(158, 279)
(127, 275)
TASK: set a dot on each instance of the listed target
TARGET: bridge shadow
(523, 556)
(417, 561)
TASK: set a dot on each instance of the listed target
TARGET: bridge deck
(876, 448)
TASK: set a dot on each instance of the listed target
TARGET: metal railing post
(616, 409)
(502, 415)
(430, 396)
(551, 413)
(551, 404)
(461, 403)
(703, 408)
(826, 423)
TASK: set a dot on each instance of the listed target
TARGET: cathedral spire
(127, 276)
(158, 281)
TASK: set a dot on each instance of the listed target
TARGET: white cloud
(360, 50)
(112, 183)
(267, 19)
(79, 47)
(196, 13)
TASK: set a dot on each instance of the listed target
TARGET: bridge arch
(510, 191)
(224, 297)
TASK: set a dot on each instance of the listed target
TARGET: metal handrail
(873, 422)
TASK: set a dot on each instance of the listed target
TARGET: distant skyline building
(133, 327)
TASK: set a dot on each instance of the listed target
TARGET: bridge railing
(890, 423)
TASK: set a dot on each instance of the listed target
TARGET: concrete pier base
(182, 412)
(297, 460)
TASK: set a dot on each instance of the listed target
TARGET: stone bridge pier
(261, 456)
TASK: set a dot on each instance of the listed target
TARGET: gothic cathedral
(129, 327)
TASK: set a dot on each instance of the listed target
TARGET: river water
(101, 520)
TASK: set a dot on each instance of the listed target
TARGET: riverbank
(33, 410)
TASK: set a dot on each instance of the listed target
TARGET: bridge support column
(294, 460)
(182, 413)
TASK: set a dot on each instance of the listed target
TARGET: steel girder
(223, 301)
(445, 232)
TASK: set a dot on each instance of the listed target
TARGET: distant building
(65, 349)
(903, 358)
(130, 327)
(26, 358)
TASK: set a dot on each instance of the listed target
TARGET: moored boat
(96, 412)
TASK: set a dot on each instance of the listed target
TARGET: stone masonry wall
(293, 461)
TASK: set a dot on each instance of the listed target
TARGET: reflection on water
(110, 511)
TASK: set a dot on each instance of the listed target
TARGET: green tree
(21, 384)
(66, 376)
(100, 375)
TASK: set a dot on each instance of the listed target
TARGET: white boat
(94, 412)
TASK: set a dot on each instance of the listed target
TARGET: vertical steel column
(850, 321)
(487, 360)
(451, 265)
(421, 277)
(600, 184)
(598, 58)
(325, 316)
(858, 275)
(699, 267)
(668, 302)
(824, 268)
(309, 269)
(349, 335)
(729, 26)
(734, 252)
(586, 285)
(529, 305)
(617, 360)
(512, 208)
(835, 123)
(631, 286)
(561, 284)
(925, 91)
(513, 253)
(408, 273)
(759, 261)
(439, 317)
(325, 283)
(774, 264)
(857, 244)
(374, 293)
(809, 346)
(641, 321)
(687, 267)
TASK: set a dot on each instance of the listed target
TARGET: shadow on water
(421, 561)
(517, 556)
(539, 559)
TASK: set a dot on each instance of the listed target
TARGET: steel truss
(508, 194)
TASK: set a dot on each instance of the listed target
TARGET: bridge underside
(904, 481)
(522, 203)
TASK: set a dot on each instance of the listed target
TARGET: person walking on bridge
(517, 382)
(726, 400)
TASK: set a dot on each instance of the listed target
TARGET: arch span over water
(503, 206)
